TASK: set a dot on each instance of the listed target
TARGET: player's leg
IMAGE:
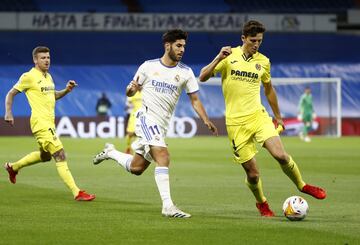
(290, 168)
(244, 151)
(162, 158)
(129, 138)
(307, 119)
(130, 133)
(66, 176)
(64, 172)
(52, 144)
(288, 165)
(253, 181)
(141, 146)
(135, 164)
(28, 160)
(268, 137)
(304, 128)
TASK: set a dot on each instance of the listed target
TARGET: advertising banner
(195, 22)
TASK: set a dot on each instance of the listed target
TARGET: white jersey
(161, 88)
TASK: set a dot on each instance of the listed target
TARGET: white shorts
(148, 133)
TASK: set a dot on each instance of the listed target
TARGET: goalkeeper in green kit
(306, 114)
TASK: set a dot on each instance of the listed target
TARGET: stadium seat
(81, 6)
(17, 6)
(186, 6)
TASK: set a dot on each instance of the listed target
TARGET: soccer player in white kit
(161, 82)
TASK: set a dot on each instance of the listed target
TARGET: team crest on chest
(177, 78)
(258, 67)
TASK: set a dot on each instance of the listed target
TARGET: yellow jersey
(241, 79)
(39, 89)
(135, 101)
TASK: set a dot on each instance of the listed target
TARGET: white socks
(163, 184)
(123, 159)
(161, 175)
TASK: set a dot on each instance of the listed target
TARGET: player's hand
(280, 129)
(9, 118)
(314, 116)
(212, 127)
(224, 52)
(70, 85)
(280, 126)
(134, 85)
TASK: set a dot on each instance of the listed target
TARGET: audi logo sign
(184, 127)
(110, 127)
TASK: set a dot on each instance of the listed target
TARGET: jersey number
(153, 128)
(52, 131)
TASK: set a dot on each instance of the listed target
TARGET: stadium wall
(124, 48)
(112, 80)
(106, 62)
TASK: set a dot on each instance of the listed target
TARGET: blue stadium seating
(18, 6)
(81, 6)
(290, 6)
(132, 48)
(184, 6)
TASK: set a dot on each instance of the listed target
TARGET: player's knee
(282, 157)
(137, 170)
(59, 156)
(164, 160)
(253, 177)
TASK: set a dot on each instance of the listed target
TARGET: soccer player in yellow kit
(38, 86)
(242, 70)
(133, 104)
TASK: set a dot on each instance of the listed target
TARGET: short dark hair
(40, 49)
(172, 35)
(252, 28)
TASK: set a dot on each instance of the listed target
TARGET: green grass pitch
(205, 182)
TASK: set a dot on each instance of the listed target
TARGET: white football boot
(104, 154)
(174, 212)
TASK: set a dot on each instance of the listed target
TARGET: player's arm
(133, 87)
(9, 118)
(207, 71)
(200, 110)
(69, 87)
(271, 97)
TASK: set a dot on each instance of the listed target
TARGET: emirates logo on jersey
(258, 67)
(177, 78)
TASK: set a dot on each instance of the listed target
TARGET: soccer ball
(295, 208)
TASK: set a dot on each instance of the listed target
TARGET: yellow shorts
(243, 137)
(48, 140)
(131, 123)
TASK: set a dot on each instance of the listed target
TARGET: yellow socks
(292, 171)
(29, 159)
(257, 190)
(128, 141)
(66, 176)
